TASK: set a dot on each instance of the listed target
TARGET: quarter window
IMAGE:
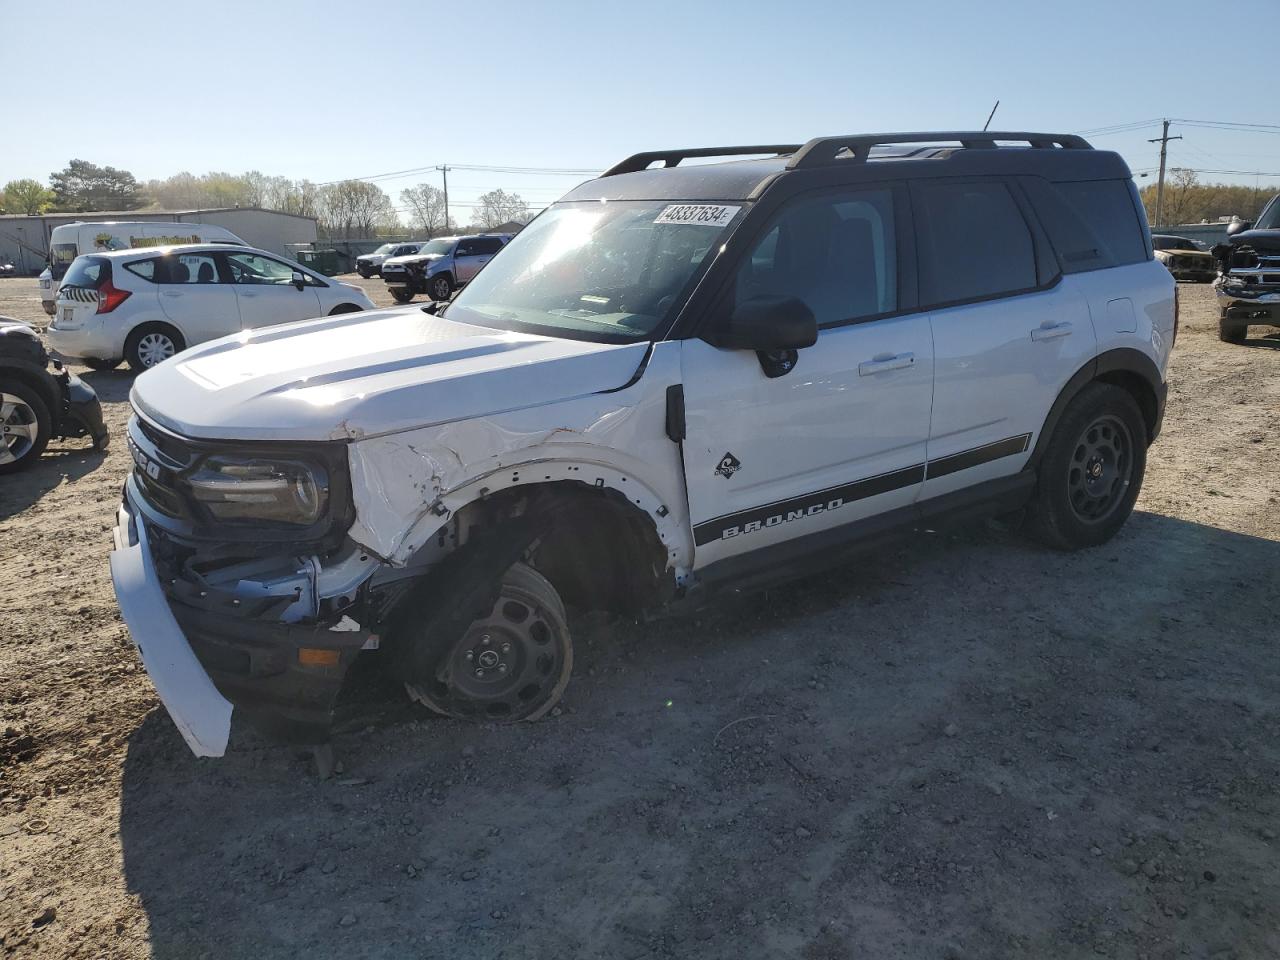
(146, 269)
(973, 242)
(1092, 223)
(837, 253)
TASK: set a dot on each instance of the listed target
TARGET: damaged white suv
(672, 380)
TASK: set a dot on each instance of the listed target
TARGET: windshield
(1270, 219)
(597, 271)
(1172, 243)
(441, 246)
(385, 248)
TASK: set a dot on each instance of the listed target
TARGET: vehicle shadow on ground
(64, 461)
(1271, 340)
(111, 386)
(967, 746)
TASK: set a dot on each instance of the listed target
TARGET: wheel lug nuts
(502, 668)
(485, 639)
(506, 648)
(471, 655)
(479, 672)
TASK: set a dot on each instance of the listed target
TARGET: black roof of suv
(845, 159)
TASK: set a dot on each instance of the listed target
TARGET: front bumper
(207, 657)
(1249, 302)
(83, 413)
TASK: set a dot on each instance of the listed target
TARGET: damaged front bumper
(1248, 302)
(241, 643)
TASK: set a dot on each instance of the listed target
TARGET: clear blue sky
(327, 90)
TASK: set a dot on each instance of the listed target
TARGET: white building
(24, 241)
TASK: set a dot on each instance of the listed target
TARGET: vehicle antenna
(991, 114)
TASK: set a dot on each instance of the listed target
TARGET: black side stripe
(978, 455)
(823, 501)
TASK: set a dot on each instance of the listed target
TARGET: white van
(69, 240)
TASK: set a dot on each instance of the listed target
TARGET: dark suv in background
(1249, 288)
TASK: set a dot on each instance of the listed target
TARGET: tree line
(1187, 200)
(345, 210)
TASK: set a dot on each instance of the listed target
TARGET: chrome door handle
(173, 293)
(884, 363)
(1051, 331)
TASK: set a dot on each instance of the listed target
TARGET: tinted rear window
(973, 242)
(1092, 224)
(87, 272)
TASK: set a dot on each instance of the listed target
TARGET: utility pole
(1163, 140)
(444, 169)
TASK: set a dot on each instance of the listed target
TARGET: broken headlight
(253, 489)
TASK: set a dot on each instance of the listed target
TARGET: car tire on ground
(440, 287)
(366, 274)
(25, 425)
(150, 344)
(1232, 331)
(401, 294)
(508, 666)
(94, 363)
(1091, 471)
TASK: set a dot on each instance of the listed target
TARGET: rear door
(196, 297)
(1007, 333)
(265, 290)
(840, 436)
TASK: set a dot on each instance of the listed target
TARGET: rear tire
(401, 294)
(1091, 472)
(440, 287)
(151, 344)
(510, 665)
(1230, 331)
(25, 426)
(94, 363)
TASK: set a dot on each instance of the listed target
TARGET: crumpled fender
(407, 485)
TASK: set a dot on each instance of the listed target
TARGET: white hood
(362, 374)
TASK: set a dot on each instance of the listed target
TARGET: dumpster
(327, 262)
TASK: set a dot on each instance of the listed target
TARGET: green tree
(26, 196)
(86, 187)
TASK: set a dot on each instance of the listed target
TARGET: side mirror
(1238, 226)
(767, 324)
(299, 280)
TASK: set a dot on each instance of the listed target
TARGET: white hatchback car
(146, 305)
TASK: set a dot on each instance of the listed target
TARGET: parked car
(39, 400)
(1182, 258)
(370, 263)
(672, 381)
(145, 306)
(441, 266)
(1248, 289)
(69, 240)
(7, 269)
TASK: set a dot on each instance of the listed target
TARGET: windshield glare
(385, 248)
(441, 246)
(597, 271)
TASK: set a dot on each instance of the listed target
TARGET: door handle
(1051, 331)
(882, 363)
(246, 293)
(173, 293)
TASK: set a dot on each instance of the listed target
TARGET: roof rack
(671, 158)
(823, 150)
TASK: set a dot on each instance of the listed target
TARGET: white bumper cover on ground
(201, 713)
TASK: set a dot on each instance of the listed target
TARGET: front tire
(440, 287)
(151, 344)
(401, 294)
(25, 426)
(1091, 472)
(1232, 332)
(510, 665)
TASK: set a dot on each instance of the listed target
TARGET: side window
(466, 248)
(189, 268)
(836, 252)
(1107, 207)
(146, 269)
(253, 268)
(973, 242)
(487, 246)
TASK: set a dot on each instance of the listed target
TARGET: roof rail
(824, 150)
(671, 158)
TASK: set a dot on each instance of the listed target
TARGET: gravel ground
(967, 746)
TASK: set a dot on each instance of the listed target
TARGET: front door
(266, 292)
(839, 436)
(473, 254)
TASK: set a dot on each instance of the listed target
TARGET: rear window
(87, 272)
(973, 242)
(1092, 224)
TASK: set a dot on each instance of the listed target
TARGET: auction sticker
(702, 214)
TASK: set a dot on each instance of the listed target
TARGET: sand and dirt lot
(966, 746)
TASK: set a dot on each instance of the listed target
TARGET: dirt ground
(968, 746)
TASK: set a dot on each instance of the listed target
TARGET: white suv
(673, 380)
(146, 305)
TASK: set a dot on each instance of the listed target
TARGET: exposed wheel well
(600, 552)
(345, 308)
(1138, 388)
(41, 387)
(136, 333)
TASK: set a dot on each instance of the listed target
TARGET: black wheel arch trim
(1122, 360)
(39, 381)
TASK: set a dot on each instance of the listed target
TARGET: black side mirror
(1238, 226)
(299, 281)
(767, 324)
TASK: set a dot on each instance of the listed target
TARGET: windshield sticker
(700, 214)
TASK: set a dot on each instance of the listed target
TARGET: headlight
(251, 489)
